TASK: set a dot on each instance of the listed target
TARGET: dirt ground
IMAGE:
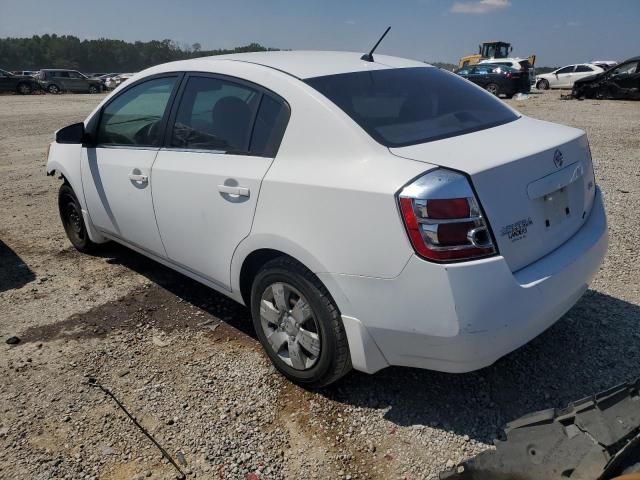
(184, 360)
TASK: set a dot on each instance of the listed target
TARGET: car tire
(542, 84)
(493, 89)
(93, 89)
(24, 89)
(298, 324)
(72, 219)
(53, 88)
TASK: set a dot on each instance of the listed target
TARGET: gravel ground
(184, 361)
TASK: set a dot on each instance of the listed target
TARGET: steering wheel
(147, 134)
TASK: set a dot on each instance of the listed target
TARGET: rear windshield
(405, 106)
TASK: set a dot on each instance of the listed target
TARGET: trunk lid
(534, 180)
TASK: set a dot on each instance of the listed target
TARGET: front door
(223, 137)
(116, 173)
(563, 77)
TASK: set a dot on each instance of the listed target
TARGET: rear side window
(215, 114)
(406, 106)
(583, 68)
(268, 130)
(135, 116)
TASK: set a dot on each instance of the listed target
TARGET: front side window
(565, 70)
(76, 75)
(215, 114)
(406, 106)
(626, 69)
(134, 117)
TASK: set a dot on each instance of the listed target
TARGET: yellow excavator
(493, 50)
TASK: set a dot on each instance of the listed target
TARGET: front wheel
(93, 89)
(542, 85)
(298, 324)
(72, 220)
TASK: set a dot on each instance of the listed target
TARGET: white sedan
(566, 76)
(357, 207)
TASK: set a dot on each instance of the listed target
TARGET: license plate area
(556, 207)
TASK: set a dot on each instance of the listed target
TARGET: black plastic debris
(596, 438)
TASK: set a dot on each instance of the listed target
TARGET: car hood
(590, 78)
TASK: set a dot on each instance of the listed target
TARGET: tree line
(102, 55)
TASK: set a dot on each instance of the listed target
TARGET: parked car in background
(565, 77)
(22, 84)
(113, 80)
(526, 69)
(496, 79)
(421, 241)
(620, 82)
(604, 64)
(60, 80)
(108, 81)
(26, 73)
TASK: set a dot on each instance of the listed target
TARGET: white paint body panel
(199, 225)
(328, 200)
(118, 205)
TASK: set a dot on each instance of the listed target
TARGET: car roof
(302, 64)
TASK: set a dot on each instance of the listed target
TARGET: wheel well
(250, 268)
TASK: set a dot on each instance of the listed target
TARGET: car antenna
(368, 57)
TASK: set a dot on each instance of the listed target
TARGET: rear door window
(405, 106)
(215, 114)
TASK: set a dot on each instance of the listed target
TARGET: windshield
(405, 106)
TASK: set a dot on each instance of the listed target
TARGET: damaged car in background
(621, 82)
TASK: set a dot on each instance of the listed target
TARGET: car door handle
(138, 177)
(234, 190)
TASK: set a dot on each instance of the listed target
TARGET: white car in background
(357, 206)
(565, 77)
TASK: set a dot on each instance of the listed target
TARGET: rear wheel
(298, 324)
(493, 89)
(24, 89)
(543, 85)
(53, 88)
(72, 220)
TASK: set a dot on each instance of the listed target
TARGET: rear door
(116, 172)
(222, 138)
(583, 71)
(76, 82)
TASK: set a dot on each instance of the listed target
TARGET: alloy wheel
(290, 326)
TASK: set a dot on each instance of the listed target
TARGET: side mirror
(73, 134)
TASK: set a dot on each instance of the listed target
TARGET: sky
(559, 32)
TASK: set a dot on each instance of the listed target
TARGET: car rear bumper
(465, 316)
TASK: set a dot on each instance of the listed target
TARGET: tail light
(443, 218)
